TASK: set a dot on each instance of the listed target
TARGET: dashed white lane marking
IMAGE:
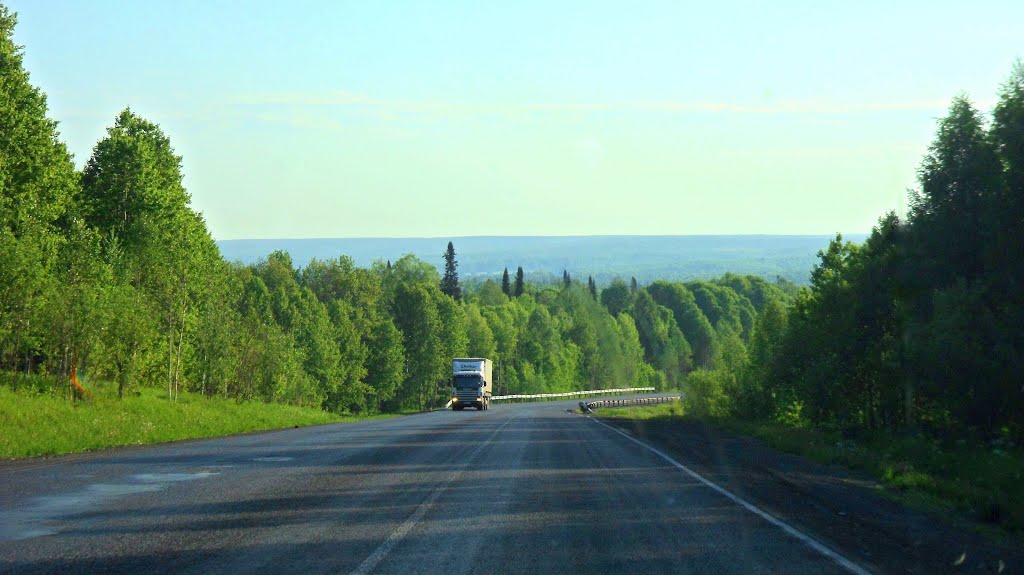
(172, 477)
(399, 533)
(790, 530)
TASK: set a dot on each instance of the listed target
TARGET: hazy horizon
(451, 237)
(605, 257)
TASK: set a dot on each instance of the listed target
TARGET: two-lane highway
(523, 488)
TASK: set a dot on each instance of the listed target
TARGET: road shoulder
(839, 507)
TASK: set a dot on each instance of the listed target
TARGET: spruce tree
(520, 285)
(450, 281)
(506, 284)
(632, 285)
(592, 285)
(1007, 133)
(959, 180)
(566, 280)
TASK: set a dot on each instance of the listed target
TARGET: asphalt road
(525, 488)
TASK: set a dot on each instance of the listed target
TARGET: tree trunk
(177, 359)
(181, 335)
(120, 380)
(64, 361)
(170, 354)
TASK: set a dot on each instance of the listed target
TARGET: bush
(707, 393)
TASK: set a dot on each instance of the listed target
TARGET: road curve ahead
(517, 489)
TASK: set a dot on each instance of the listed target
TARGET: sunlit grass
(658, 411)
(977, 479)
(48, 423)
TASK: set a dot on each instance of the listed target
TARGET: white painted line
(790, 530)
(402, 530)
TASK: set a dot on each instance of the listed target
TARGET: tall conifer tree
(1008, 135)
(450, 281)
(959, 179)
(520, 283)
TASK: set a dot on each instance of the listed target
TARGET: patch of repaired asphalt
(37, 517)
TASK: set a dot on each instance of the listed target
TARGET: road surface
(525, 488)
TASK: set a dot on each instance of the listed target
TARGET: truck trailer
(471, 383)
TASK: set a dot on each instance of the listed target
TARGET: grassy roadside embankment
(48, 423)
(978, 481)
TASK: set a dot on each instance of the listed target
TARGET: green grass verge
(659, 411)
(978, 480)
(35, 423)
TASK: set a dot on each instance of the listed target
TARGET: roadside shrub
(792, 414)
(707, 393)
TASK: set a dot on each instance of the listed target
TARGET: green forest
(107, 274)
(921, 326)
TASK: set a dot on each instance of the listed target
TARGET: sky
(316, 119)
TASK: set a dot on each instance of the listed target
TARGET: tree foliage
(37, 188)
(919, 327)
(506, 286)
(450, 282)
(142, 297)
(110, 274)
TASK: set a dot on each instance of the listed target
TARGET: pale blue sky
(350, 119)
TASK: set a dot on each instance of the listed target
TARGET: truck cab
(471, 383)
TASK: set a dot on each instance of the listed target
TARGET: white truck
(471, 383)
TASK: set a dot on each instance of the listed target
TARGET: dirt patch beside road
(838, 507)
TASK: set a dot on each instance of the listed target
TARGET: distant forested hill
(646, 257)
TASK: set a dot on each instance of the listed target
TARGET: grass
(36, 422)
(978, 480)
(658, 411)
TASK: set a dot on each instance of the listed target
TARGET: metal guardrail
(568, 394)
(589, 407)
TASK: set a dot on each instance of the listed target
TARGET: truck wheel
(480, 406)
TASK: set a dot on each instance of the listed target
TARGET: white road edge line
(790, 530)
(378, 555)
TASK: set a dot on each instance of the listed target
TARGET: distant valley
(647, 258)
